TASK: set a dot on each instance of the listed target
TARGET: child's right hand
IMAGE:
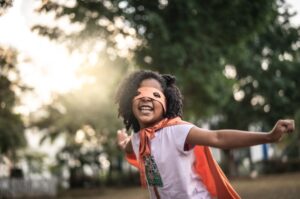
(122, 139)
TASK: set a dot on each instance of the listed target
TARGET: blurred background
(237, 64)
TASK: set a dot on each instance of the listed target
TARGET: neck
(147, 125)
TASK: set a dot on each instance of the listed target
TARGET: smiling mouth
(145, 108)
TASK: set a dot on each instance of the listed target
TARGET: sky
(51, 68)
(295, 6)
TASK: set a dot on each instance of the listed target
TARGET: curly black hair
(128, 90)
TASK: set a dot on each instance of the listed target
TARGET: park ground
(283, 186)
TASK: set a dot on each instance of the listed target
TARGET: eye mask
(152, 93)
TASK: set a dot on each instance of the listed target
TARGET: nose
(146, 99)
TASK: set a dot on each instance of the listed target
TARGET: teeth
(145, 108)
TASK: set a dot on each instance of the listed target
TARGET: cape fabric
(205, 166)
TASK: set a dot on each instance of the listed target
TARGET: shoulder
(176, 130)
(179, 127)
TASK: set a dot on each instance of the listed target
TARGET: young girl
(172, 155)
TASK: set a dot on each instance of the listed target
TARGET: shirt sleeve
(180, 133)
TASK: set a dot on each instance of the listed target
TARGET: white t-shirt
(174, 164)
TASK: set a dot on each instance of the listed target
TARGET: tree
(199, 41)
(11, 125)
(86, 118)
(266, 77)
(186, 38)
(266, 74)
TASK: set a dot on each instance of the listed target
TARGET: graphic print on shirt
(152, 173)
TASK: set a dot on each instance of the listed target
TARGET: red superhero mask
(152, 93)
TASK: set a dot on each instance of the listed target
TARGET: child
(172, 155)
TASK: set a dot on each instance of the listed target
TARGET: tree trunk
(230, 167)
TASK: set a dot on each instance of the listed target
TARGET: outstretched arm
(228, 139)
(124, 141)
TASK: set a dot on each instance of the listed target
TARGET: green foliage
(186, 38)
(86, 118)
(11, 125)
(90, 105)
(267, 73)
(195, 40)
(191, 38)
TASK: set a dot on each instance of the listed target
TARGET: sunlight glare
(45, 66)
(230, 71)
(238, 94)
(80, 136)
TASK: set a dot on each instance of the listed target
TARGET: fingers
(121, 134)
(121, 131)
(287, 126)
(122, 138)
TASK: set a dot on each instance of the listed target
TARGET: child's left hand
(281, 127)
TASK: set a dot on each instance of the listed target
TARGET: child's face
(146, 110)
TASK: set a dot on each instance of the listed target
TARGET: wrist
(270, 137)
(122, 144)
(125, 144)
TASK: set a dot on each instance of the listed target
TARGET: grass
(286, 186)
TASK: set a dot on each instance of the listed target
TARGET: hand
(281, 127)
(122, 139)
